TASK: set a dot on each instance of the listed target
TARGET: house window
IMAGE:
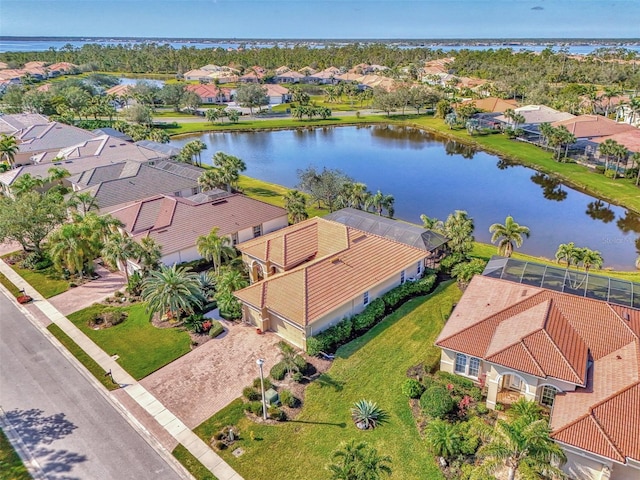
(234, 239)
(257, 231)
(194, 191)
(548, 395)
(468, 366)
(365, 298)
(401, 277)
(419, 270)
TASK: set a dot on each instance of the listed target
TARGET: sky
(322, 19)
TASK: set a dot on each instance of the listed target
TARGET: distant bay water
(40, 45)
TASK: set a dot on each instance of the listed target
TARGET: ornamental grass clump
(367, 414)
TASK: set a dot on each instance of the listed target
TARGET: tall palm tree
(355, 195)
(458, 228)
(608, 149)
(211, 179)
(117, 250)
(26, 183)
(83, 202)
(522, 445)
(295, 202)
(432, 223)
(569, 253)
(8, 148)
(635, 158)
(380, 202)
(148, 254)
(358, 461)
(215, 248)
(591, 259)
(230, 168)
(508, 235)
(69, 248)
(175, 290)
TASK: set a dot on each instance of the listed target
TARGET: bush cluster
(251, 394)
(276, 414)
(330, 339)
(437, 402)
(461, 386)
(267, 383)
(412, 388)
(254, 407)
(278, 371)
(215, 329)
(287, 399)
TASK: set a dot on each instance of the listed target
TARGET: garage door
(286, 331)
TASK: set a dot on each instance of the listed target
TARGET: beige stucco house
(578, 356)
(309, 276)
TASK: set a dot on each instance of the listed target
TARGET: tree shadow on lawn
(260, 192)
(37, 430)
(405, 309)
(326, 380)
(341, 424)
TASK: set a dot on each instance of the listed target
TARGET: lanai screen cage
(599, 287)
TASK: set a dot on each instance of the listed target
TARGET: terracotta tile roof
(176, 223)
(119, 90)
(273, 90)
(493, 104)
(629, 138)
(208, 90)
(589, 126)
(345, 263)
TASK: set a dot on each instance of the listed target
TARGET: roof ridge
(564, 358)
(589, 416)
(305, 299)
(553, 342)
(605, 435)
(614, 394)
(621, 319)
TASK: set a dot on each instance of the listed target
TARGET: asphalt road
(66, 424)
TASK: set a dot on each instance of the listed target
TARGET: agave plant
(367, 414)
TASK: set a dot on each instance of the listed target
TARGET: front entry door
(515, 383)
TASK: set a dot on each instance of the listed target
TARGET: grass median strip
(192, 464)
(89, 363)
(8, 284)
(11, 466)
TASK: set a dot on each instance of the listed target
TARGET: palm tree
(635, 158)
(211, 179)
(569, 253)
(230, 168)
(215, 248)
(591, 259)
(508, 235)
(148, 254)
(26, 183)
(83, 202)
(379, 202)
(70, 249)
(117, 250)
(432, 223)
(458, 228)
(358, 461)
(443, 438)
(193, 150)
(608, 149)
(173, 290)
(213, 114)
(355, 195)
(57, 174)
(524, 445)
(229, 280)
(8, 148)
(295, 202)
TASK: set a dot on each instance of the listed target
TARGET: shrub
(29, 262)
(451, 261)
(631, 173)
(254, 407)
(251, 394)
(277, 414)
(220, 445)
(278, 371)
(301, 364)
(367, 414)
(481, 409)
(287, 398)
(218, 436)
(297, 377)
(267, 383)
(194, 323)
(609, 173)
(436, 401)
(600, 169)
(412, 388)
(43, 264)
(215, 329)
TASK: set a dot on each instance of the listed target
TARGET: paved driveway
(205, 380)
(89, 293)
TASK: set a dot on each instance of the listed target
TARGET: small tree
(251, 95)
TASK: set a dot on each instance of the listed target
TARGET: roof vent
(524, 293)
(163, 231)
(359, 239)
(336, 261)
(626, 316)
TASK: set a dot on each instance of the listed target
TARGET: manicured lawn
(89, 363)
(46, 282)
(141, 347)
(372, 367)
(15, 291)
(191, 463)
(11, 467)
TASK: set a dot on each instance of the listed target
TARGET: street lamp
(260, 363)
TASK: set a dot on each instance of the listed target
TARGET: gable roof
(407, 233)
(11, 123)
(536, 114)
(330, 265)
(176, 223)
(119, 90)
(208, 90)
(589, 126)
(630, 139)
(493, 104)
(37, 138)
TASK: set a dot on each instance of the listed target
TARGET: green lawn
(88, 362)
(15, 291)
(372, 367)
(46, 282)
(11, 467)
(142, 348)
(192, 464)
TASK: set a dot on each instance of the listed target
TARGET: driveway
(89, 293)
(207, 379)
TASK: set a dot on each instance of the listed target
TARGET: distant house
(14, 122)
(326, 76)
(61, 68)
(210, 94)
(493, 104)
(198, 75)
(526, 331)
(534, 115)
(589, 127)
(254, 75)
(277, 94)
(309, 276)
(290, 76)
(36, 141)
(176, 223)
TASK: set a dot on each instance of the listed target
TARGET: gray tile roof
(163, 148)
(113, 133)
(38, 138)
(402, 232)
(11, 123)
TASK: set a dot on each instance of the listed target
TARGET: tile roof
(119, 90)
(11, 123)
(589, 126)
(176, 223)
(273, 90)
(342, 263)
(559, 335)
(109, 147)
(208, 90)
(629, 138)
(536, 114)
(37, 138)
(493, 104)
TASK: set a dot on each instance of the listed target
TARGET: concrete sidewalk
(173, 425)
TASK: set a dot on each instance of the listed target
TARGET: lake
(431, 175)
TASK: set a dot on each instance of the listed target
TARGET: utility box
(272, 397)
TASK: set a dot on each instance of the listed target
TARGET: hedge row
(329, 340)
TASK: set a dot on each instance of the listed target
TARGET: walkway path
(174, 426)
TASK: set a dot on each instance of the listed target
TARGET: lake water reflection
(434, 176)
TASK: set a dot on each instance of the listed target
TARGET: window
(468, 366)
(419, 270)
(257, 231)
(234, 239)
(548, 395)
(365, 298)
(401, 277)
(461, 363)
(474, 367)
(194, 191)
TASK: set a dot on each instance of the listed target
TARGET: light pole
(260, 363)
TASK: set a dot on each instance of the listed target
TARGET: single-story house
(47, 138)
(309, 276)
(326, 76)
(254, 75)
(210, 94)
(630, 139)
(534, 115)
(570, 343)
(277, 94)
(590, 127)
(11, 123)
(493, 104)
(176, 223)
(289, 76)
